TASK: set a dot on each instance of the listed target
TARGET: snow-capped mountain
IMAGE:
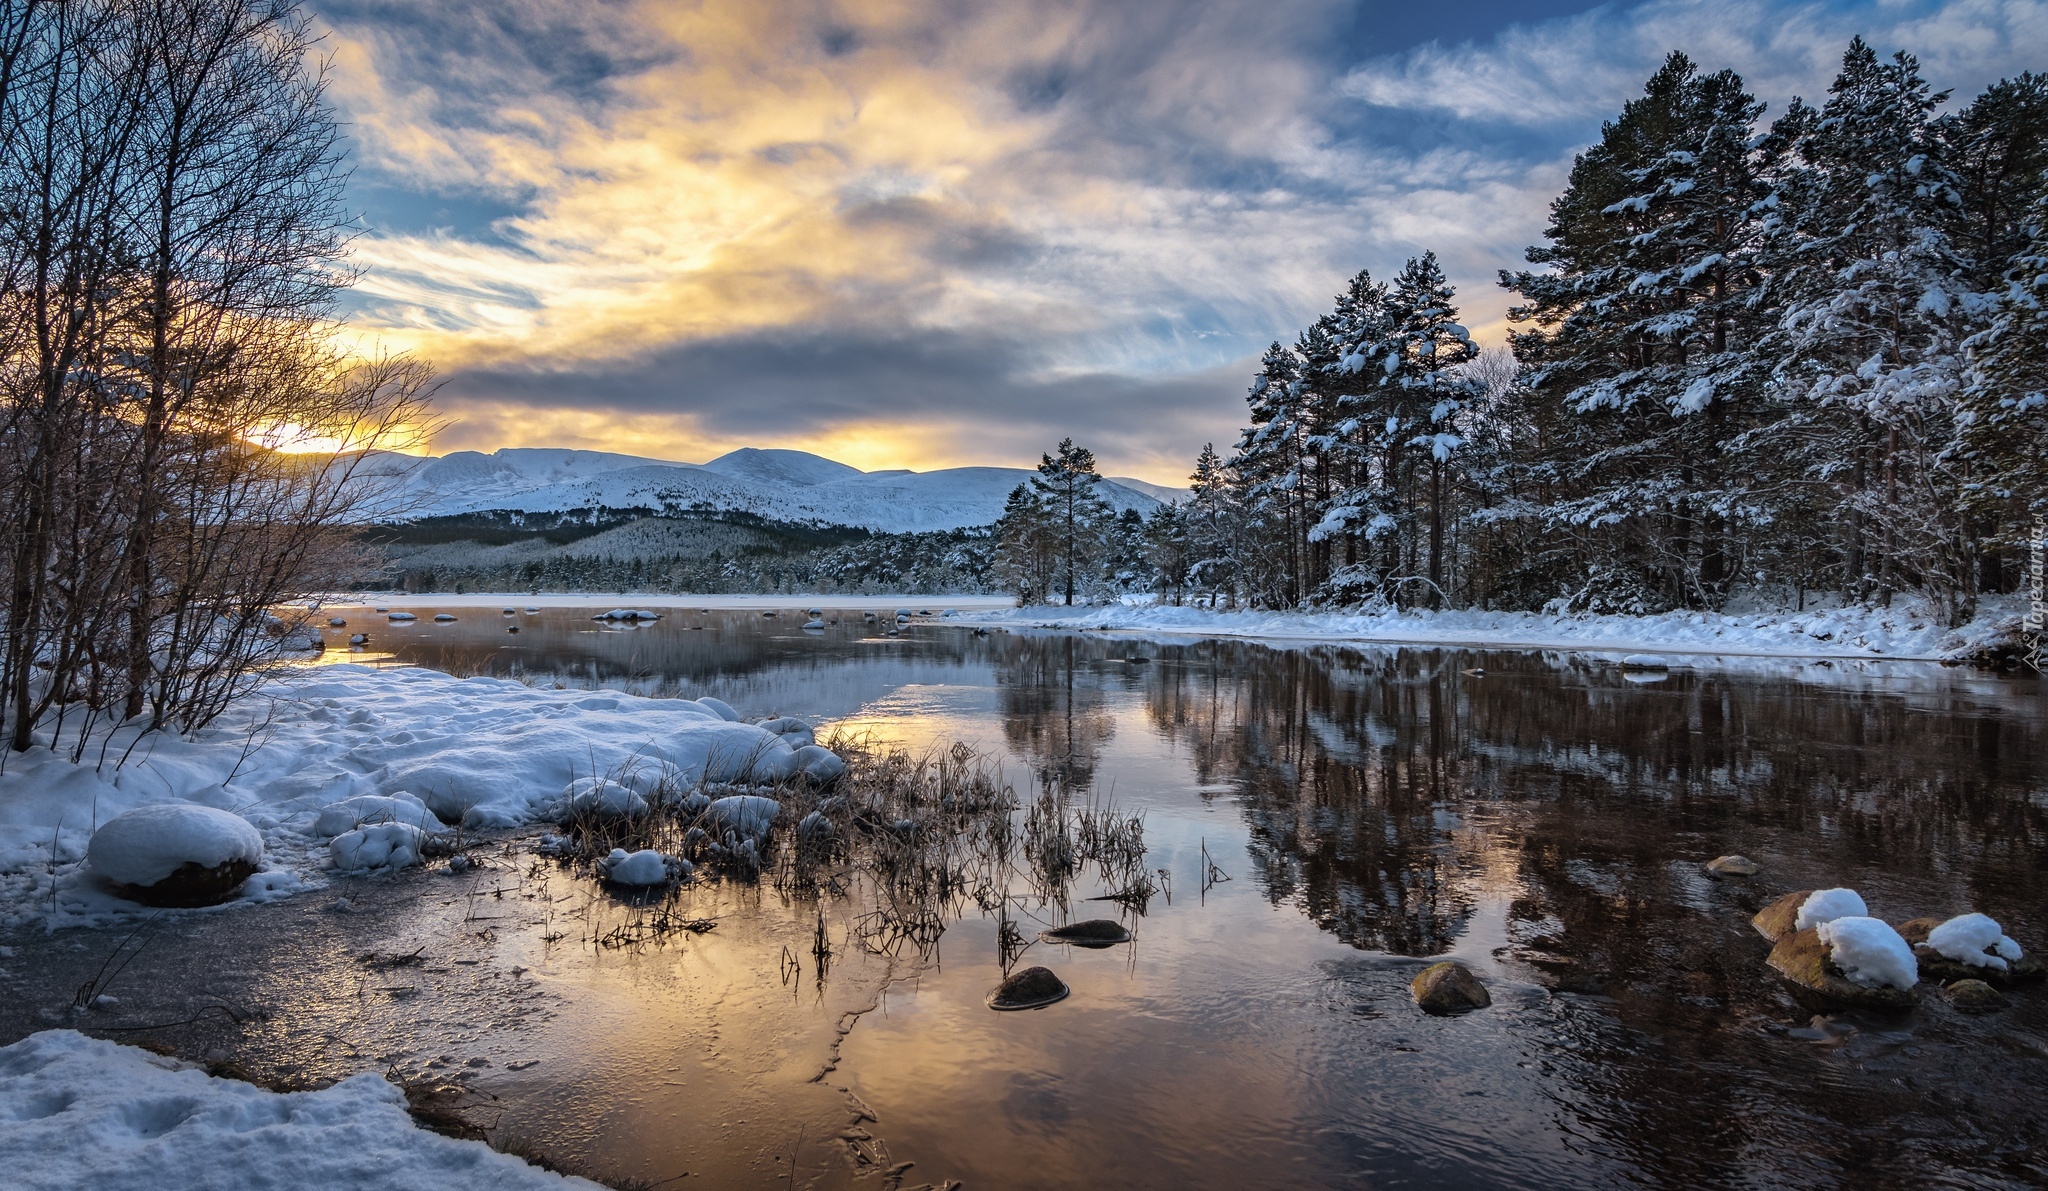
(776, 484)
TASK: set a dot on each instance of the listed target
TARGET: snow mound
(1644, 661)
(385, 845)
(1826, 905)
(1976, 940)
(795, 731)
(745, 815)
(820, 764)
(365, 809)
(149, 843)
(720, 707)
(402, 616)
(81, 1112)
(628, 614)
(603, 799)
(814, 624)
(645, 867)
(1869, 952)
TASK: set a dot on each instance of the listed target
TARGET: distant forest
(1795, 358)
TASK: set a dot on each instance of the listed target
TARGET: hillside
(792, 487)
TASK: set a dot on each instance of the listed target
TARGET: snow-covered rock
(176, 853)
(645, 867)
(444, 617)
(1645, 661)
(382, 845)
(1869, 952)
(1976, 940)
(1826, 905)
(793, 730)
(79, 1112)
(369, 809)
(815, 625)
(628, 614)
(745, 815)
(402, 616)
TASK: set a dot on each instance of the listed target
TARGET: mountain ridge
(774, 483)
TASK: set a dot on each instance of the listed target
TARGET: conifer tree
(1065, 483)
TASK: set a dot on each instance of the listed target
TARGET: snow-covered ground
(477, 752)
(1904, 631)
(81, 1112)
(342, 604)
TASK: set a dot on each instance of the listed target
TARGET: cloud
(942, 232)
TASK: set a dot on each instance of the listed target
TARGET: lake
(1319, 821)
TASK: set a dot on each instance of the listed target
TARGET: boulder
(1032, 988)
(1774, 921)
(1733, 866)
(1096, 932)
(1915, 930)
(1803, 959)
(1973, 996)
(1448, 987)
(175, 854)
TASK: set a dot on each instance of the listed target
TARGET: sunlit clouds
(925, 234)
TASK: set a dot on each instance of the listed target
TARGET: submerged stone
(1973, 996)
(1097, 932)
(1802, 958)
(1032, 988)
(1448, 987)
(1733, 866)
(1775, 921)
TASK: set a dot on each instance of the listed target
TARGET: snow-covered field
(81, 1112)
(477, 752)
(1904, 631)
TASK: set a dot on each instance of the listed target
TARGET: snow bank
(298, 759)
(1869, 952)
(1974, 939)
(1904, 631)
(80, 1112)
(147, 844)
(1826, 905)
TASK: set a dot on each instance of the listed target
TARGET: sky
(954, 232)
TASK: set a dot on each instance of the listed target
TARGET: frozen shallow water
(1371, 808)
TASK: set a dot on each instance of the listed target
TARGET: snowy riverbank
(1904, 631)
(478, 752)
(89, 1113)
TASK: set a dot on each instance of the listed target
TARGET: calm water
(1365, 809)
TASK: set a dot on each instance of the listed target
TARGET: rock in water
(1974, 996)
(1774, 921)
(175, 854)
(1032, 988)
(1733, 866)
(1802, 958)
(1448, 987)
(1097, 932)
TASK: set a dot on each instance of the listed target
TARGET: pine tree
(1214, 520)
(1874, 301)
(1645, 328)
(1027, 549)
(1066, 484)
(1268, 470)
(1168, 549)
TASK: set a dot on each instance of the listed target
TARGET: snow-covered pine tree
(2005, 412)
(1065, 483)
(1357, 513)
(1267, 473)
(1425, 367)
(1168, 549)
(1214, 519)
(1644, 326)
(1027, 547)
(1876, 301)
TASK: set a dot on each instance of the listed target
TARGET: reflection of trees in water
(1339, 763)
(1590, 786)
(1051, 693)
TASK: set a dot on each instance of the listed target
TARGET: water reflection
(1537, 816)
